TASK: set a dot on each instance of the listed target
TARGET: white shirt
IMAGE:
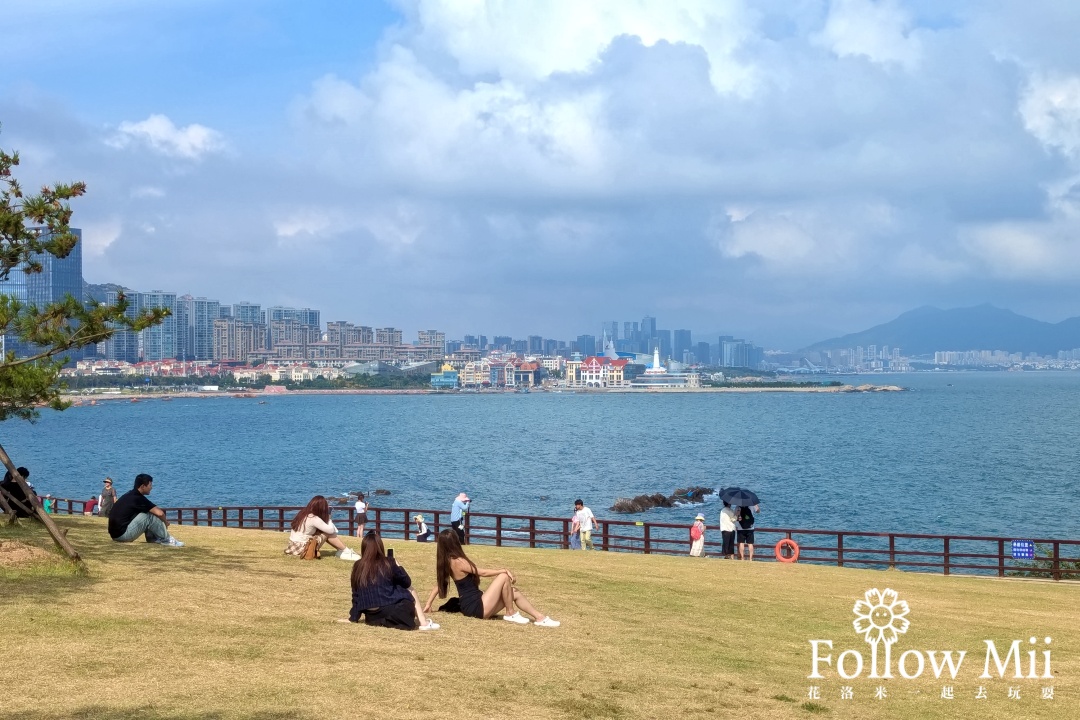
(585, 519)
(423, 528)
(361, 506)
(727, 520)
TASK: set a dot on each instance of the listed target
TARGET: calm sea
(975, 453)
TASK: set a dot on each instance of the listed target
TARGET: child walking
(697, 536)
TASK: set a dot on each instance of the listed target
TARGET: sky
(780, 170)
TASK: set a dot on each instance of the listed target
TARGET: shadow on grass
(46, 580)
(95, 712)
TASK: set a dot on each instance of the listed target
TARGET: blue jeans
(151, 525)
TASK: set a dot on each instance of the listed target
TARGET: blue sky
(781, 170)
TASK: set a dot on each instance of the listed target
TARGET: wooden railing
(970, 554)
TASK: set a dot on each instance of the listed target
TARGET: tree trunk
(54, 531)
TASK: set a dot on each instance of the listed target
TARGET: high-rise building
(59, 277)
(249, 313)
(536, 345)
(157, 342)
(199, 315)
(388, 336)
(664, 343)
(702, 353)
(234, 339)
(681, 344)
(124, 344)
(648, 328)
(586, 345)
(610, 330)
(432, 338)
(502, 342)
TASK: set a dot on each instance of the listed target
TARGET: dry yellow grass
(229, 627)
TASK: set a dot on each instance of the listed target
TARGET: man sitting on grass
(134, 515)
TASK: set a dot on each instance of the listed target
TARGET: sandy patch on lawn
(14, 553)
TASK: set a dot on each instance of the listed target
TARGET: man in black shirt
(134, 515)
(15, 490)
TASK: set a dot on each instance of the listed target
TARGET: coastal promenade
(166, 393)
(1054, 558)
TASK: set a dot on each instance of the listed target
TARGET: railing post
(498, 531)
(647, 537)
(603, 535)
(840, 549)
(532, 532)
(281, 518)
(405, 528)
(261, 518)
(1001, 558)
(945, 556)
(892, 551)
(1056, 568)
(378, 522)
(565, 534)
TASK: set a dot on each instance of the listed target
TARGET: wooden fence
(948, 554)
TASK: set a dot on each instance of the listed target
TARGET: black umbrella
(739, 497)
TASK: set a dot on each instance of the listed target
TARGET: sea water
(961, 453)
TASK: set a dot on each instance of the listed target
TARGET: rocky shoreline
(682, 496)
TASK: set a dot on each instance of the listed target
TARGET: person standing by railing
(727, 531)
(586, 521)
(107, 498)
(458, 511)
(361, 514)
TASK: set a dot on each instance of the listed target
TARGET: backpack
(695, 532)
(746, 519)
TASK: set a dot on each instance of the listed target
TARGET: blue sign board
(1023, 550)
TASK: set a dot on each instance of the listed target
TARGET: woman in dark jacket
(381, 590)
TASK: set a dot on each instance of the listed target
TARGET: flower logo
(881, 617)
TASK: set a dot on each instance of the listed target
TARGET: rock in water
(641, 503)
(380, 491)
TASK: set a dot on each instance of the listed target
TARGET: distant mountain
(927, 329)
(97, 292)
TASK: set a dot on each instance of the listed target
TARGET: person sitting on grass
(501, 595)
(134, 515)
(313, 523)
(422, 532)
(381, 590)
(25, 507)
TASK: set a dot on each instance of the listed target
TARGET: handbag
(311, 550)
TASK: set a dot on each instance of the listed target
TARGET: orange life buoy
(790, 544)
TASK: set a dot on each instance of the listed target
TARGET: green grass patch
(229, 627)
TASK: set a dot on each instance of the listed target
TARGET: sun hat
(700, 517)
(418, 517)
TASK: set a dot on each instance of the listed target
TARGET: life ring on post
(790, 545)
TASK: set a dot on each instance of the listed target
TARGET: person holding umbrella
(746, 503)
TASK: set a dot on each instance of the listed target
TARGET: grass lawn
(229, 627)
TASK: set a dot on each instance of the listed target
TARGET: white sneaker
(430, 625)
(516, 618)
(348, 554)
(547, 622)
(171, 542)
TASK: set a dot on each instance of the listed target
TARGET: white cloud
(880, 30)
(97, 236)
(526, 42)
(1050, 107)
(147, 191)
(158, 132)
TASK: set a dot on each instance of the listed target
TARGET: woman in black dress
(451, 563)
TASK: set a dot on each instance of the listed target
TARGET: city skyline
(786, 172)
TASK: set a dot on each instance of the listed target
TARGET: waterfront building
(445, 379)
(657, 377)
(476, 373)
(602, 372)
(502, 374)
